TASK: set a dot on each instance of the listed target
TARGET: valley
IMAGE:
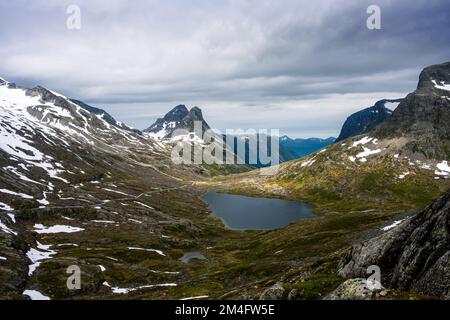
(81, 189)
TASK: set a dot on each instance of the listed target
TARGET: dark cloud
(284, 64)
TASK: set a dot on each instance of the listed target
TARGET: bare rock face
(366, 120)
(275, 292)
(415, 256)
(423, 116)
(177, 118)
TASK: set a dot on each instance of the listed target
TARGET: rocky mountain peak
(177, 118)
(195, 114)
(422, 118)
(177, 113)
(435, 78)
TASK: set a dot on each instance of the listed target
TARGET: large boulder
(414, 256)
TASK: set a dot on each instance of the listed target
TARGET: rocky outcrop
(366, 120)
(188, 122)
(415, 256)
(171, 120)
(276, 292)
(13, 262)
(423, 116)
(356, 289)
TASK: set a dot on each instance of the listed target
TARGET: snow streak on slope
(37, 126)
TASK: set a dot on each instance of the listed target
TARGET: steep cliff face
(413, 256)
(423, 117)
(368, 119)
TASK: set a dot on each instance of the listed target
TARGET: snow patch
(391, 105)
(444, 169)
(441, 86)
(403, 175)
(194, 298)
(103, 221)
(35, 295)
(392, 226)
(149, 250)
(41, 229)
(308, 163)
(38, 255)
(5, 207)
(367, 152)
(144, 205)
(5, 228)
(118, 290)
(362, 141)
(22, 195)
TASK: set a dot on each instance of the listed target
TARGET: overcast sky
(299, 66)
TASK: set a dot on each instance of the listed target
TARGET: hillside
(403, 163)
(412, 253)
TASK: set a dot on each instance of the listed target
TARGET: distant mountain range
(180, 117)
(304, 147)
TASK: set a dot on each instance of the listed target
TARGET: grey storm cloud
(300, 66)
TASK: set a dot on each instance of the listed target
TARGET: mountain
(179, 118)
(104, 115)
(361, 186)
(420, 122)
(403, 162)
(252, 147)
(75, 189)
(182, 118)
(366, 120)
(78, 190)
(413, 253)
(304, 147)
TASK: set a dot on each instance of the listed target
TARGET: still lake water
(255, 213)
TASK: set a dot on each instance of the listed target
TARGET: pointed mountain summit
(176, 119)
(366, 120)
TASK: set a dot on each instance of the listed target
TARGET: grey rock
(353, 289)
(179, 118)
(423, 116)
(293, 294)
(413, 256)
(366, 120)
(275, 292)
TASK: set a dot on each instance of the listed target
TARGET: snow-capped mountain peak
(37, 126)
(176, 119)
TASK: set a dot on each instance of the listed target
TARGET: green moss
(371, 183)
(319, 283)
(324, 194)
(217, 170)
(420, 195)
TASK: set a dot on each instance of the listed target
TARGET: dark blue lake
(254, 213)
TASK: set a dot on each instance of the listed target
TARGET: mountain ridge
(366, 120)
